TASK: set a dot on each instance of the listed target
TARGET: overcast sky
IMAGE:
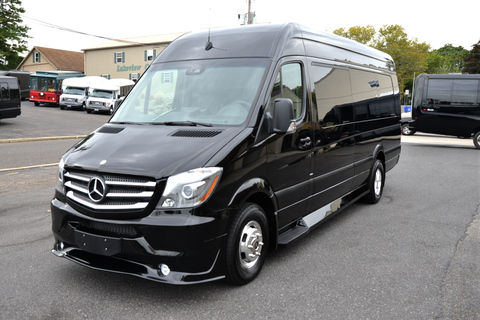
(426, 20)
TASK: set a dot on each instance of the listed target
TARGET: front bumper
(69, 104)
(191, 246)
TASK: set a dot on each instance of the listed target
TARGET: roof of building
(61, 59)
(137, 41)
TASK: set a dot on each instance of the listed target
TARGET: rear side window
(5, 93)
(452, 92)
(289, 84)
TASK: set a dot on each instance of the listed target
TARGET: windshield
(74, 91)
(106, 94)
(212, 92)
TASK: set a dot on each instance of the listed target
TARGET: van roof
(265, 40)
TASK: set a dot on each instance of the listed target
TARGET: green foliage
(12, 34)
(472, 61)
(363, 35)
(447, 59)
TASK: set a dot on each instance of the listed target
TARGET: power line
(53, 26)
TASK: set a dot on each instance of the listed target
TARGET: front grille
(110, 229)
(103, 192)
(97, 103)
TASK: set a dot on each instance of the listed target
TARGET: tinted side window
(465, 92)
(373, 95)
(5, 93)
(332, 97)
(289, 84)
(439, 91)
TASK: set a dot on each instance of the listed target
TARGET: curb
(40, 139)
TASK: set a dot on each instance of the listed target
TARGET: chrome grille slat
(122, 192)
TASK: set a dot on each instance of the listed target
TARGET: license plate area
(101, 245)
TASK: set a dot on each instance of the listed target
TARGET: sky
(424, 20)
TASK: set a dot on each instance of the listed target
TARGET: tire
(89, 110)
(376, 181)
(476, 140)
(247, 245)
(83, 107)
(36, 103)
(110, 111)
(406, 130)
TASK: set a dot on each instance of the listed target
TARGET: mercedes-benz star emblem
(97, 189)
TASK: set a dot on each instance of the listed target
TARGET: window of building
(134, 76)
(36, 57)
(150, 55)
(119, 57)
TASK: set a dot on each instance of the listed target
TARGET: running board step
(292, 234)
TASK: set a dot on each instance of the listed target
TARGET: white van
(105, 94)
(76, 91)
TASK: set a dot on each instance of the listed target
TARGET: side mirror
(283, 118)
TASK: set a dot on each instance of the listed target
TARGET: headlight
(61, 164)
(59, 185)
(190, 189)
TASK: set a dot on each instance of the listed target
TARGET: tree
(472, 61)
(410, 56)
(447, 59)
(363, 35)
(12, 34)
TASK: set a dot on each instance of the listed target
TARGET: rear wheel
(375, 183)
(406, 130)
(247, 245)
(476, 139)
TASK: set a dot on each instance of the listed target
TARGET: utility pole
(249, 13)
(246, 18)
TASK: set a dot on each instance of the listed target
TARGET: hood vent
(196, 133)
(108, 129)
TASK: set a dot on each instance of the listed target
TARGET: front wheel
(476, 140)
(247, 245)
(376, 182)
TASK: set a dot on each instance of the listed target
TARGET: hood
(148, 150)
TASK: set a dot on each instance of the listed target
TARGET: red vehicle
(46, 86)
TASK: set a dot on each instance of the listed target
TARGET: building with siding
(125, 58)
(48, 59)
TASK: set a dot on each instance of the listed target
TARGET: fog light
(164, 269)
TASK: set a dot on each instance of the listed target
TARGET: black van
(232, 143)
(23, 80)
(10, 104)
(447, 104)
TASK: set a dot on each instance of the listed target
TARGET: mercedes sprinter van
(233, 142)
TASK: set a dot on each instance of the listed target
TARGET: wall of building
(127, 62)
(29, 64)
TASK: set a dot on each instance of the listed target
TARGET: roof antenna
(209, 44)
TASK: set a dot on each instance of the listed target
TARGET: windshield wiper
(185, 123)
